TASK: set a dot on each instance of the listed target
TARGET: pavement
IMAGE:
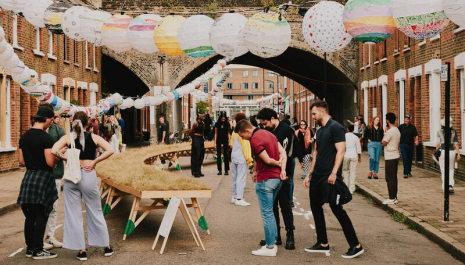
(236, 231)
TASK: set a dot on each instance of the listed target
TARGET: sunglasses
(303, 124)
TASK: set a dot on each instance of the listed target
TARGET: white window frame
(270, 85)
(94, 63)
(245, 85)
(270, 73)
(383, 82)
(230, 86)
(245, 73)
(255, 85)
(365, 98)
(87, 55)
(459, 63)
(255, 73)
(50, 46)
(433, 69)
(15, 33)
(400, 77)
(6, 147)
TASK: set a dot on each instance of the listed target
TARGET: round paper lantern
(139, 103)
(170, 96)
(34, 12)
(166, 35)
(226, 35)
(38, 91)
(31, 82)
(71, 22)
(18, 5)
(455, 11)
(130, 102)
(369, 21)
(53, 15)
(420, 19)
(267, 36)
(114, 33)
(6, 4)
(140, 32)
(91, 26)
(194, 36)
(18, 69)
(7, 54)
(3, 46)
(117, 98)
(19, 78)
(323, 29)
(2, 34)
(12, 63)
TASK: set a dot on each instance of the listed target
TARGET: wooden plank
(122, 188)
(177, 193)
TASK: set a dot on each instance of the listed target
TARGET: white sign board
(168, 219)
(152, 115)
(444, 76)
(375, 112)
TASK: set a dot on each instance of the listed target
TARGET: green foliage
(399, 217)
(202, 106)
(211, 7)
(75, 102)
(413, 226)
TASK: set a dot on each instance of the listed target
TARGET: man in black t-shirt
(408, 141)
(285, 135)
(329, 152)
(162, 130)
(222, 137)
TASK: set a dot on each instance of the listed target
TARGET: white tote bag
(73, 167)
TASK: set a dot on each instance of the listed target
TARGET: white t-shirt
(356, 127)
(352, 146)
(391, 150)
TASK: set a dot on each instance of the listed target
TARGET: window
(432, 70)
(76, 51)
(93, 56)
(270, 73)
(270, 85)
(255, 73)
(66, 47)
(87, 54)
(245, 73)
(15, 31)
(245, 85)
(231, 73)
(229, 97)
(462, 103)
(383, 50)
(230, 85)
(254, 85)
(205, 88)
(37, 41)
(5, 114)
(250, 97)
(51, 46)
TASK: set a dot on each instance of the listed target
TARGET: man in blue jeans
(408, 141)
(269, 171)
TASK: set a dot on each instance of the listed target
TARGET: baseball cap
(408, 116)
(44, 112)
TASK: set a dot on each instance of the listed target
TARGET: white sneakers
(47, 246)
(266, 252)
(389, 201)
(233, 200)
(53, 241)
(241, 203)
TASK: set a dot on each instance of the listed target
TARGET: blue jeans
(290, 168)
(374, 151)
(266, 193)
(407, 157)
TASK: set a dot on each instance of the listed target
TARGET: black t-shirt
(285, 135)
(407, 134)
(326, 138)
(222, 130)
(162, 128)
(33, 143)
(254, 122)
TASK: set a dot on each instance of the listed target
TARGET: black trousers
(391, 167)
(284, 201)
(222, 145)
(34, 226)
(319, 217)
(197, 155)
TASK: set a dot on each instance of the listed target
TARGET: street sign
(444, 75)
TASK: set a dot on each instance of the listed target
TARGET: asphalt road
(235, 232)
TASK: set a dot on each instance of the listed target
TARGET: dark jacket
(57, 132)
(329, 193)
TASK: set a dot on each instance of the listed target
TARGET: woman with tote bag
(87, 188)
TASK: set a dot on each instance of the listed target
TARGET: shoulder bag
(73, 167)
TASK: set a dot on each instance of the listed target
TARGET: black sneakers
(290, 242)
(43, 254)
(29, 253)
(219, 173)
(108, 252)
(318, 248)
(226, 173)
(353, 252)
(82, 256)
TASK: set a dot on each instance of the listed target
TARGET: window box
(7, 149)
(39, 53)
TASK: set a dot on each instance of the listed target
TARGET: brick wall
(403, 53)
(22, 106)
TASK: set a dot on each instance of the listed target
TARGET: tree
(202, 106)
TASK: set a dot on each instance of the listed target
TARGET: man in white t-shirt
(352, 156)
(391, 142)
(356, 125)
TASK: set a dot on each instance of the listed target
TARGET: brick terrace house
(71, 68)
(402, 75)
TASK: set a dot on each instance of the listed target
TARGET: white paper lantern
(71, 22)
(455, 11)
(2, 34)
(267, 36)
(19, 78)
(117, 98)
(12, 63)
(34, 12)
(6, 4)
(7, 54)
(139, 103)
(18, 5)
(323, 29)
(31, 82)
(226, 35)
(53, 15)
(91, 26)
(18, 69)
(419, 19)
(114, 33)
(194, 36)
(140, 32)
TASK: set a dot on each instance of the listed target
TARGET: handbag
(73, 167)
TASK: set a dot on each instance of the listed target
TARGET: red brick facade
(408, 71)
(69, 68)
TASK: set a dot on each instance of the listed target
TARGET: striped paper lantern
(140, 33)
(369, 21)
(114, 33)
(165, 35)
(53, 15)
(194, 36)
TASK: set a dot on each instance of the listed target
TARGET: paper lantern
(420, 19)
(194, 36)
(38, 91)
(166, 35)
(11, 63)
(2, 34)
(369, 21)
(117, 98)
(18, 5)
(91, 26)
(170, 96)
(34, 12)
(114, 33)
(323, 29)
(19, 78)
(455, 11)
(6, 55)
(18, 69)
(31, 82)
(139, 104)
(71, 22)
(226, 35)
(53, 15)
(140, 32)
(6, 4)
(267, 36)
